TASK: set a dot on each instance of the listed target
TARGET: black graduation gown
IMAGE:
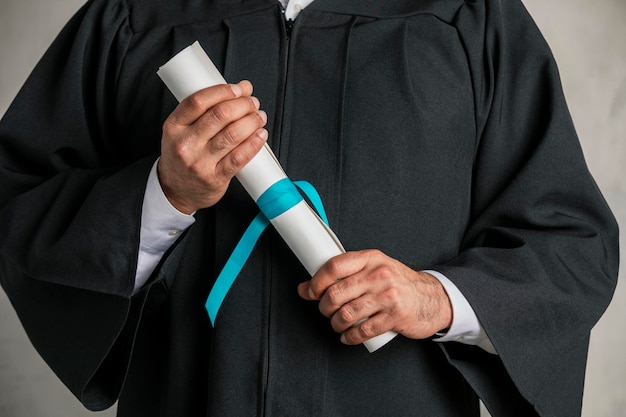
(435, 131)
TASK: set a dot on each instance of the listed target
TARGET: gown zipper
(287, 28)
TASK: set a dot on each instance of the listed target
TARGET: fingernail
(342, 339)
(311, 294)
(262, 134)
(237, 91)
(263, 115)
(256, 102)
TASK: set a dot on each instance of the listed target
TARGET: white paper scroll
(305, 233)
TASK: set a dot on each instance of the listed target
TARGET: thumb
(304, 290)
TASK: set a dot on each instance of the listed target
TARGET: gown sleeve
(540, 257)
(70, 207)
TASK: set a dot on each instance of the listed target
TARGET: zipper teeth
(281, 124)
(287, 26)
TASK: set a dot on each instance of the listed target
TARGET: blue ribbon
(279, 198)
(276, 200)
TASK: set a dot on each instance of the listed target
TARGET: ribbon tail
(246, 244)
(234, 264)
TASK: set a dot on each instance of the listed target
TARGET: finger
(236, 159)
(354, 312)
(303, 290)
(341, 293)
(221, 116)
(235, 133)
(194, 106)
(337, 268)
(372, 291)
(372, 327)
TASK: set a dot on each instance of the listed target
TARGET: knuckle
(385, 273)
(196, 101)
(236, 161)
(195, 169)
(315, 286)
(374, 253)
(333, 266)
(319, 288)
(368, 329)
(181, 148)
(233, 166)
(172, 129)
(393, 293)
(230, 136)
(220, 114)
(347, 314)
(169, 125)
(335, 294)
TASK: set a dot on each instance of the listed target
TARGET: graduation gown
(435, 131)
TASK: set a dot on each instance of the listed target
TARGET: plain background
(588, 41)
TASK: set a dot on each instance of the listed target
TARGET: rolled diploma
(310, 239)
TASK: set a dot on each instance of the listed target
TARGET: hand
(206, 141)
(388, 295)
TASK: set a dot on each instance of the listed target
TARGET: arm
(538, 260)
(69, 207)
(465, 327)
(195, 175)
(367, 293)
(73, 183)
(161, 226)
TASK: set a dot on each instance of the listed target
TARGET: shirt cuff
(465, 326)
(161, 225)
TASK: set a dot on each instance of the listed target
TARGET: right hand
(206, 141)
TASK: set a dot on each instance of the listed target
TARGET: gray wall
(587, 38)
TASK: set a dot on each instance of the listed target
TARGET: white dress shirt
(161, 224)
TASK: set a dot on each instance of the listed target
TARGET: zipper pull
(289, 27)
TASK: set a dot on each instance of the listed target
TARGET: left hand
(391, 296)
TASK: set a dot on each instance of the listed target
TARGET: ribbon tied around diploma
(279, 198)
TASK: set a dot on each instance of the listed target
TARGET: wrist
(174, 198)
(445, 309)
(443, 305)
(178, 204)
